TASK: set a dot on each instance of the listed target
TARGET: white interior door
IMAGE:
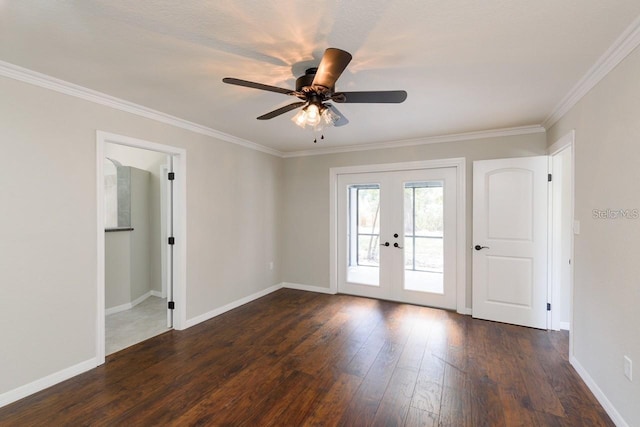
(397, 236)
(510, 218)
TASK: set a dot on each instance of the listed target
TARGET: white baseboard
(307, 288)
(117, 309)
(140, 299)
(157, 294)
(599, 394)
(466, 311)
(235, 304)
(57, 377)
(129, 305)
(45, 382)
(565, 326)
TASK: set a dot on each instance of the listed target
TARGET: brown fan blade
(281, 110)
(384, 97)
(253, 85)
(331, 67)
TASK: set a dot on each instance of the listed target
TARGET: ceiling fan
(316, 87)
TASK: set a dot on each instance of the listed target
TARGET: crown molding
(617, 52)
(42, 80)
(493, 133)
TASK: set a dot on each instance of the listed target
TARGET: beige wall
(48, 205)
(606, 316)
(141, 233)
(117, 268)
(306, 196)
(155, 223)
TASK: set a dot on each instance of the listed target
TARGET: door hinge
(172, 240)
(171, 176)
(548, 306)
(171, 305)
(549, 177)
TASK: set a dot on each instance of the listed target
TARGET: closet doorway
(137, 260)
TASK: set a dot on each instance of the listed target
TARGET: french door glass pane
(364, 234)
(423, 236)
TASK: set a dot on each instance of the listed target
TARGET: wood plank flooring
(297, 358)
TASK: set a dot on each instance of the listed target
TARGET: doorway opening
(135, 301)
(523, 238)
(141, 241)
(561, 161)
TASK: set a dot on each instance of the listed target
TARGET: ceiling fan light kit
(316, 117)
(315, 88)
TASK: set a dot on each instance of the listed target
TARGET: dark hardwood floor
(298, 358)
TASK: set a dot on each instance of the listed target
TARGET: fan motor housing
(307, 80)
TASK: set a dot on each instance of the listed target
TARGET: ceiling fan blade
(342, 119)
(385, 97)
(253, 85)
(333, 63)
(281, 110)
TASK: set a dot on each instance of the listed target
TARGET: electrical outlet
(271, 265)
(628, 368)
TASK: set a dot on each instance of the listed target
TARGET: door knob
(395, 245)
(479, 248)
(384, 244)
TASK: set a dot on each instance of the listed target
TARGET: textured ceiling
(467, 65)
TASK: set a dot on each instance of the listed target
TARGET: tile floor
(145, 320)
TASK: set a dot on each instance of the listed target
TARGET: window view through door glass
(423, 236)
(364, 234)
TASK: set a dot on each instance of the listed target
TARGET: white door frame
(180, 228)
(565, 142)
(164, 231)
(461, 243)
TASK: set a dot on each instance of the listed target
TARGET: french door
(397, 236)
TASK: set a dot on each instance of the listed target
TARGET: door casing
(566, 142)
(179, 156)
